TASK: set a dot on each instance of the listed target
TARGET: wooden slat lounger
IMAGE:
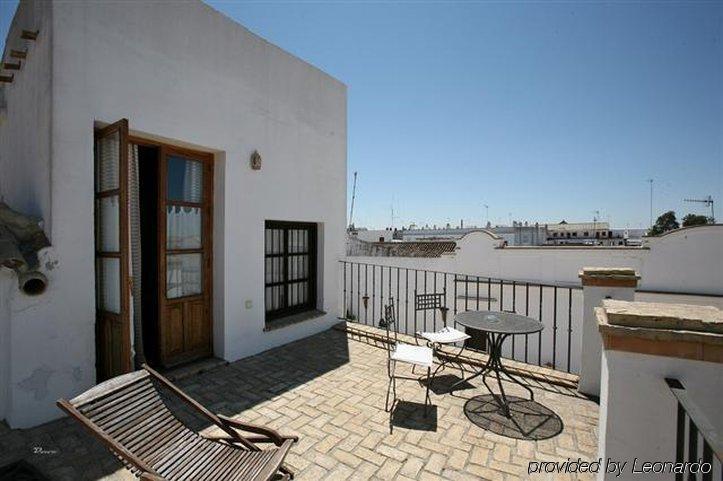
(129, 416)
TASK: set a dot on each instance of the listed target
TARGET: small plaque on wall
(256, 160)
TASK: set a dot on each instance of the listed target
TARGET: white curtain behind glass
(193, 181)
(183, 227)
(183, 231)
(183, 275)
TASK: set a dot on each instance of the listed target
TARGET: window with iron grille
(290, 266)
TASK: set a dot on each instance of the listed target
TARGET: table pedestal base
(494, 364)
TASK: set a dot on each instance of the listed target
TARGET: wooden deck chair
(129, 415)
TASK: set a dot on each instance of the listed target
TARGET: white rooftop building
(216, 154)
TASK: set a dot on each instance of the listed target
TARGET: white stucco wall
(591, 343)
(638, 410)
(6, 285)
(25, 127)
(185, 73)
(33, 364)
(687, 261)
(684, 261)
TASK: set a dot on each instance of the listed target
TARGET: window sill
(293, 319)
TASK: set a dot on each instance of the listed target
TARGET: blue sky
(543, 111)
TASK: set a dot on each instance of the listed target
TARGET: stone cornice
(692, 335)
(609, 277)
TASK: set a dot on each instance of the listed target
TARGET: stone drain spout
(21, 237)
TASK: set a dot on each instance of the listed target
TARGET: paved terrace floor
(329, 389)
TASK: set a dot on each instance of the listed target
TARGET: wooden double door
(176, 250)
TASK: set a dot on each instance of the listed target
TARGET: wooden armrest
(271, 434)
(150, 477)
(225, 437)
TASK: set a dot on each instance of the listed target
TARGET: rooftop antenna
(392, 209)
(353, 196)
(650, 181)
(708, 201)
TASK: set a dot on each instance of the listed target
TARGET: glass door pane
(183, 227)
(107, 172)
(185, 180)
(107, 224)
(183, 275)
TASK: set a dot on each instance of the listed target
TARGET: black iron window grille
(290, 268)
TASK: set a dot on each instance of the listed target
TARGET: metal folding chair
(405, 353)
(448, 336)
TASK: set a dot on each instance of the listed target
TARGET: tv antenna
(708, 201)
(393, 217)
(650, 181)
(353, 196)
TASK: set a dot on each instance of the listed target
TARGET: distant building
(579, 233)
(628, 237)
(518, 234)
(435, 234)
(593, 234)
(521, 234)
(373, 235)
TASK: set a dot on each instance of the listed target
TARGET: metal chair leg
(392, 387)
(427, 399)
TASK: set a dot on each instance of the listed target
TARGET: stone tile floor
(329, 389)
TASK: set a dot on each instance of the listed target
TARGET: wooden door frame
(207, 158)
(123, 254)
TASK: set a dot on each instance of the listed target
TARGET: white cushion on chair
(419, 355)
(446, 335)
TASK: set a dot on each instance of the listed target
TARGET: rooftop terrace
(329, 389)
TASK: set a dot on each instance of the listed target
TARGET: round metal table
(497, 326)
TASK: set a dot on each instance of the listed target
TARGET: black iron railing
(696, 440)
(367, 288)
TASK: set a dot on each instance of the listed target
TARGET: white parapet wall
(688, 260)
(645, 344)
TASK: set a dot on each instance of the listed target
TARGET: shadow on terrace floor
(61, 450)
(329, 389)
